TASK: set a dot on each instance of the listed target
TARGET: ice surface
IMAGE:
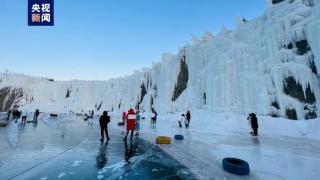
(13, 133)
(284, 149)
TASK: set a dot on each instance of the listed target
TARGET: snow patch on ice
(61, 175)
(76, 163)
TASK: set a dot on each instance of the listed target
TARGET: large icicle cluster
(269, 65)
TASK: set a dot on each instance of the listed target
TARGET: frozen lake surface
(69, 148)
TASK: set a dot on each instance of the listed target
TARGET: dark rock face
(142, 93)
(119, 105)
(275, 104)
(52, 80)
(9, 97)
(303, 47)
(277, 1)
(294, 89)
(290, 46)
(151, 101)
(4, 92)
(311, 115)
(310, 111)
(291, 114)
(98, 107)
(183, 78)
(313, 67)
(68, 93)
(310, 97)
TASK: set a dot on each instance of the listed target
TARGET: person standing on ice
(24, 117)
(254, 124)
(8, 115)
(181, 120)
(188, 117)
(104, 121)
(138, 123)
(16, 115)
(249, 122)
(131, 124)
(36, 114)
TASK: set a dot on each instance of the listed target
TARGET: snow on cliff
(269, 65)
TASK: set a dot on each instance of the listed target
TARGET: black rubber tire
(178, 137)
(236, 166)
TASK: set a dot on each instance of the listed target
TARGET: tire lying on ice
(236, 166)
(178, 137)
(163, 140)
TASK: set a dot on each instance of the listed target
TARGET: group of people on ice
(185, 118)
(131, 119)
(16, 114)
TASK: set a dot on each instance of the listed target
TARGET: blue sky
(101, 39)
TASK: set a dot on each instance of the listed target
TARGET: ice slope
(268, 65)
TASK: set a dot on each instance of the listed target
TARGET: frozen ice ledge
(269, 65)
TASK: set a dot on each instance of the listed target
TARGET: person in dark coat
(254, 124)
(154, 116)
(188, 116)
(36, 114)
(16, 115)
(8, 115)
(104, 121)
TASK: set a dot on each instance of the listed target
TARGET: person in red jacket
(131, 123)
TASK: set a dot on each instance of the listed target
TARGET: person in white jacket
(181, 120)
(24, 115)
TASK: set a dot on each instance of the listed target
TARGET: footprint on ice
(76, 163)
(61, 175)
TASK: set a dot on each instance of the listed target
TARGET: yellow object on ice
(163, 140)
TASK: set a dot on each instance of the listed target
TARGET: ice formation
(269, 65)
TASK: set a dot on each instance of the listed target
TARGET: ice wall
(269, 65)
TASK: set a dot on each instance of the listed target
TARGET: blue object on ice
(178, 137)
(236, 166)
